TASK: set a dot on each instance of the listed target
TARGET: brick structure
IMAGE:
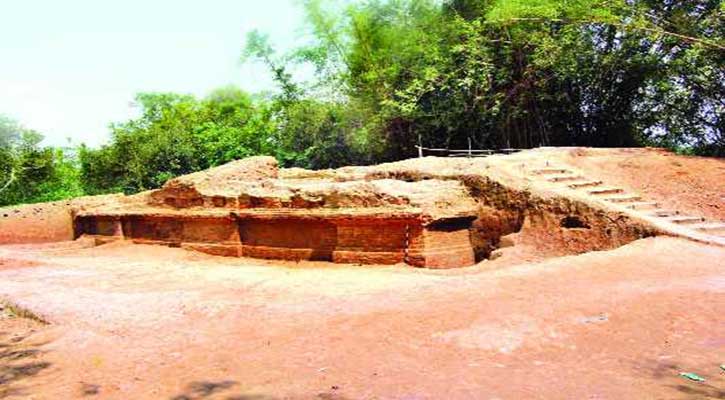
(343, 238)
(244, 209)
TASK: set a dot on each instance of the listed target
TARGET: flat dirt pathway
(142, 322)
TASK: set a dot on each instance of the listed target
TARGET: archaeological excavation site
(382, 281)
(429, 212)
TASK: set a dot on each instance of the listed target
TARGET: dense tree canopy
(175, 134)
(30, 172)
(524, 73)
(394, 73)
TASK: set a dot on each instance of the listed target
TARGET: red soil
(34, 223)
(45, 222)
(147, 322)
(140, 322)
(694, 185)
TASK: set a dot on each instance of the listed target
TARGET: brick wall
(354, 240)
(448, 249)
(372, 241)
(288, 239)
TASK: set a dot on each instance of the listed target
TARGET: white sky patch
(68, 69)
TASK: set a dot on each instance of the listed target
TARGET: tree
(175, 135)
(524, 73)
(30, 172)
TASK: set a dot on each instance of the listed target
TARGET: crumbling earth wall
(44, 222)
(553, 225)
(432, 213)
(36, 223)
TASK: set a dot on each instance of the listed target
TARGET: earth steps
(698, 226)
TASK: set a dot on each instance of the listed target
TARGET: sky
(69, 68)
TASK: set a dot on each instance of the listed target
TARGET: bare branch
(10, 181)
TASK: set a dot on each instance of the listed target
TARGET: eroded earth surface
(599, 274)
(137, 321)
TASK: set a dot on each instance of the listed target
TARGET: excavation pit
(388, 214)
(339, 238)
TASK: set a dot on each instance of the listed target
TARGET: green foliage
(316, 135)
(176, 134)
(64, 181)
(508, 11)
(395, 73)
(30, 173)
(258, 48)
(524, 73)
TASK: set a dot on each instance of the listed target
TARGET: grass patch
(8, 309)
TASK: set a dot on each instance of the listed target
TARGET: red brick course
(348, 240)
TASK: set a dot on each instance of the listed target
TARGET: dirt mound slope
(51, 221)
(692, 185)
(695, 185)
(678, 195)
(523, 322)
(231, 174)
(557, 200)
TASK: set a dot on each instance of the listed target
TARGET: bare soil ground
(149, 322)
(694, 185)
(143, 322)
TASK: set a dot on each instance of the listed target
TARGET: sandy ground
(142, 322)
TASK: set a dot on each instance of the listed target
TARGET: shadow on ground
(204, 389)
(670, 371)
(19, 364)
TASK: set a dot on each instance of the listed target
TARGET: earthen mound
(433, 212)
